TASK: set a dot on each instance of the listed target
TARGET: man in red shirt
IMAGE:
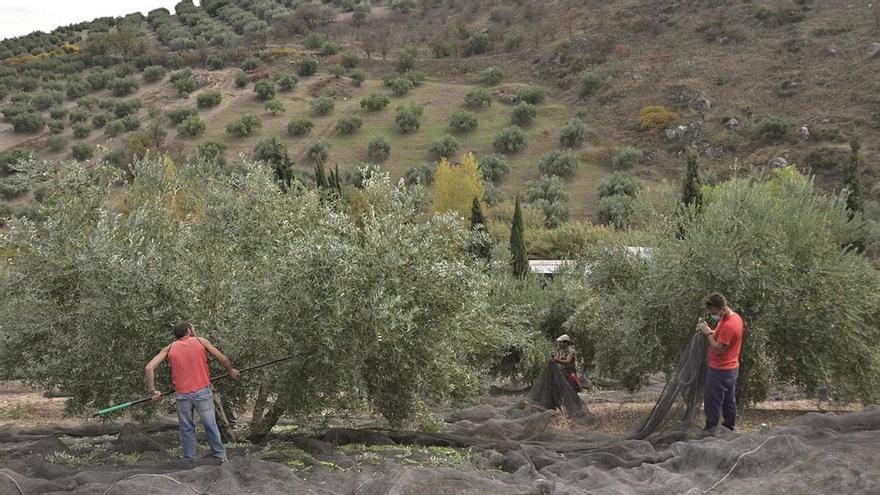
(192, 386)
(724, 344)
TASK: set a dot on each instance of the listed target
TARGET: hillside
(739, 81)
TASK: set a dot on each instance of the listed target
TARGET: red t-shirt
(730, 333)
(189, 365)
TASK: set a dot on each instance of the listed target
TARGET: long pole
(126, 405)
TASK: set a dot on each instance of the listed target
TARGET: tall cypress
(519, 263)
(481, 248)
(855, 203)
(691, 195)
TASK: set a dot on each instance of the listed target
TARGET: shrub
(772, 128)
(216, 61)
(329, 48)
(655, 118)
(416, 77)
(212, 151)
(477, 98)
(178, 115)
(287, 82)
(264, 89)
(98, 80)
(406, 59)
(349, 60)
(28, 122)
(348, 125)
(244, 126)
(619, 183)
(626, 158)
(477, 44)
(274, 106)
(420, 174)
(185, 86)
(590, 83)
(192, 126)
(573, 134)
(445, 146)
(87, 102)
(560, 163)
(530, 94)
(378, 149)
(56, 126)
(299, 127)
(45, 99)
(123, 86)
(99, 120)
(375, 102)
(493, 168)
(358, 77)
(250, 63)
(154, 73)
(318, 152)
(336, 71)
(130, 122)
(322, 105)
(408, 117)
(462, 121)
(82, 151)
(400, 86)
(81, 131)
(114, 128)
(524, 113)
(241, 79)
(308, 67)
(313, 41)
(77, 89)
(616, 210)
(57, 143)
(185, 73)
(548, 194)
(58, 113)
(208, 99)
(491, 76)
(510, 140)
(273, 151)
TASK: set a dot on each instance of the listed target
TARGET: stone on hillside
(778, 162)
(732, 123)
(874, 50)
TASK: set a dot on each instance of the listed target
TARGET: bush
(493, 168)
(28, 122)
(378, 149)
(619, 183)
(318, 152)
(114, 128)
(772, 128)
(573, 134)
(264, 89)
(212, 151)
(626, 158)
(287, 82)
(477, 98)
(58, 113)
(192, 126)
(416, 77)
(208, 99)
(57, 143)
(524, 113)
(560, 163)
(87, 102)
(273, 151)
(408, 117)
(336, 71)
(590, 83)
(77, 89)
(329, 48)
(81, 131)
(99, 120)
(616, 210)
(358, 77)
(130, 122)
(462, 121)
(313, 41)
(124, 108)
(400, 86)
(477, 44)
(530, 94)
(98, 80)
(308, 67)
(322, 105)
(273, 106)
(216, 61)
(56, 126)
(154, 73)
(548, 195)
(444, 147)
(375, 102)
(178, 115)
(406, 59)
(656, 118)
(82, 151)
(299, 127)
(185, 86)
(241, 79)
(349, 60)
(348, 125)
(250, 63)
(420, 174)
(45, 99)
(491, 76)
(510, 140)
(245, 126)
(123, 86)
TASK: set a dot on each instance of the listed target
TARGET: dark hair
(716, 301)
(181, 329)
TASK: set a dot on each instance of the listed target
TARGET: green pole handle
(117, 407)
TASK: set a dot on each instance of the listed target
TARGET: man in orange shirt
(188, 358)
(724, 344)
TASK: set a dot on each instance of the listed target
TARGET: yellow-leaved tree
(456, 186)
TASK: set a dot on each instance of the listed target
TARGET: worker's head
(716, 305)
(563, 341)
(183, 328)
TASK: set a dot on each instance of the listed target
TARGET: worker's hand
(234, 374)
(703, 328)
(156, 395)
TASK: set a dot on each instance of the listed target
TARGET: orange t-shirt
(189, 365)
(730, 333)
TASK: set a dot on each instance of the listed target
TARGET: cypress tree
(855, 203)
(519, 263)
(691, 193)
(337, 182)
(320, 177)
(481, 248)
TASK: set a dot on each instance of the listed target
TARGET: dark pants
(720, 398)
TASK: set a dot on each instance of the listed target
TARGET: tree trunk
(259, 430)
(260, 405)
(226, 432)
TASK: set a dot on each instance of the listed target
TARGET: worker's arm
(567, 360)
(716, 346)
(150, 368)
(219, 356)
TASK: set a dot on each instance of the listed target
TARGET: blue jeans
(201, 400)
(720, 398)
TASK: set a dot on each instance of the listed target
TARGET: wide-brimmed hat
(564, 338)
